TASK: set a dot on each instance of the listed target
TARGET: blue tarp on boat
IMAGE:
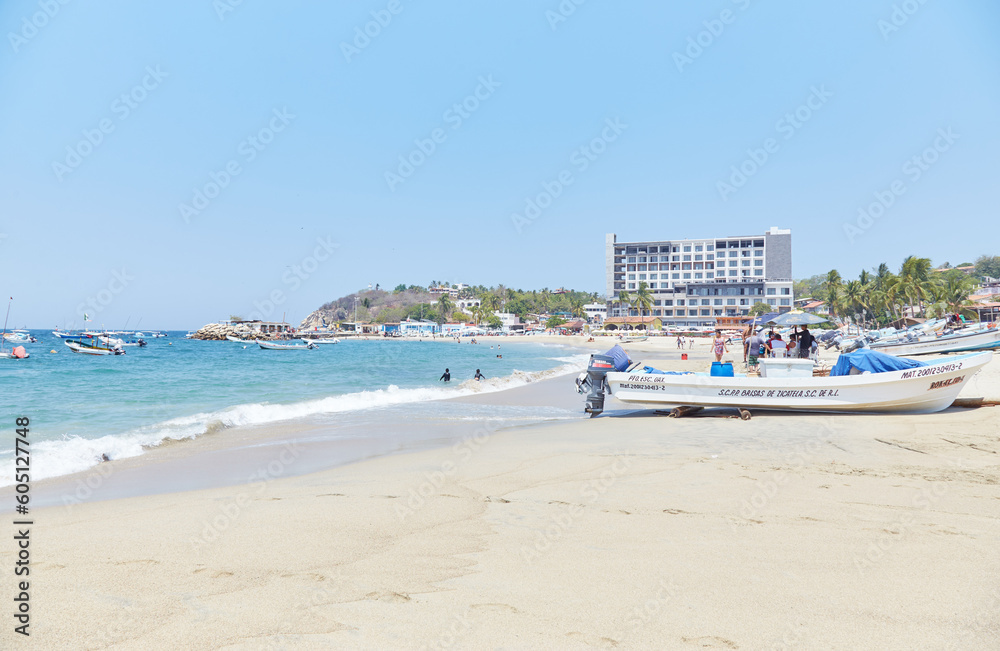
(866, 359)
(620, 356)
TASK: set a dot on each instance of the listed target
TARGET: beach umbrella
(796, 318)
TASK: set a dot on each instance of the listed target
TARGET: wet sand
(627, 531)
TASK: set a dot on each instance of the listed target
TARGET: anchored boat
(864, 381)
(985, 339)
(270, 345)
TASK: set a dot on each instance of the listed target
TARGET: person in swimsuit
(479, 376)
(719, 346)
(446, 376)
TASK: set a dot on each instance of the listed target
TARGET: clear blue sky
(551, 86)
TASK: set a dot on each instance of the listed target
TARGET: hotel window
(675, 249)
(652, 258)
(642, 258)
(657, 312)
(687, 258)
(706, 301)
(734, 254)
(699, 265)
(680, 301)
(732, 272)
(699, 257)
(706, 312)
(758, 272)
(733, 263)
(746, 254)
(786, 301)
(687, 249)
(770, 291)
(710, 265)
(709, 274)
(664, 267)
(642, 267)
(746, 263)
(675, 267)
(730, 301)
(631, 258)
(758, 263)
(675, 276)
(668, 303)
(680, 312)
(631, 285)
(697, 275)
(710, 256)
(710, 247)
(686, 266)
(657, 303)
(642, 276)
(786, 291)
(668, 312)
(758, 253)
(652, 276)
(756, 300)
(718, 301)
(663, 285)
(631, 267)
(716, 312)
(743, 301)
(687, 275)
(697, 248)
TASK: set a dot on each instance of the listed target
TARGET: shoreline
(634, 531)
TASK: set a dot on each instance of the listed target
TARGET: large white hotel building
(695, 281)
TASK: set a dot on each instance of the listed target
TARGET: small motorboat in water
(270, 345)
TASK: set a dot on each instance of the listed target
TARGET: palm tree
(952, 294)
(643, 298)
(445, 307)
(833, 286)
(854, 296)
(914, 275)
(576, 307)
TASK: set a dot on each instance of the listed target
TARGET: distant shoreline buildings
(694, 282)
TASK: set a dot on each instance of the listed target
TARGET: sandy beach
(625, 531)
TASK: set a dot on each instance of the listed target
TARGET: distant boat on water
(268, 345)
(18, 352)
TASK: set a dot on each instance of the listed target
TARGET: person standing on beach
(755, 349)
(446, 376)
(680, 341)
(805, 342)
(720, 346)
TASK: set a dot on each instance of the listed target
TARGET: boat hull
(986, 340)
(77, 347)
(925, 389)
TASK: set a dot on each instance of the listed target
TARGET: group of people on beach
(801, 344)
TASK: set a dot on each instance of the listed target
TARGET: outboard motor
(594, 381)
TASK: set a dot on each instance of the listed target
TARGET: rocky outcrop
(218, 331)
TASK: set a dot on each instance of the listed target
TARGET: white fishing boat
(915, 387)
(321, 340)
(984, 339)
(17, 352)
(237, 340)
(93, 346)
(270, 345)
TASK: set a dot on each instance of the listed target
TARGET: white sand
(787, 531)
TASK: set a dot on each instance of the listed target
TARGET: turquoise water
(82, 406)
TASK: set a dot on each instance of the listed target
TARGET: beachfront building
(695, 281)
(263, 327)
(596, 312)
(633, 323)
(417, 327)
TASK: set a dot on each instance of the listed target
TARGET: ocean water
(84, 406)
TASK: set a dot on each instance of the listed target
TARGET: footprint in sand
(711, 642)
(394, 597)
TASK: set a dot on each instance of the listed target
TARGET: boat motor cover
(866, 359)
(620, 357)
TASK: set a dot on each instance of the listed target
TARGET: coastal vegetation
(417, 302)
(917, 289)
